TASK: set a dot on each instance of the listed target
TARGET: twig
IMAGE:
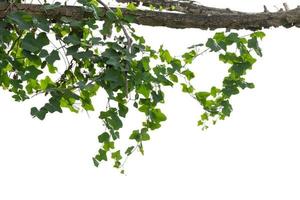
(286, 6)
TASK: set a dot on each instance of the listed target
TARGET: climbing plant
(70, 60)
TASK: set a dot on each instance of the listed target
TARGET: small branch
(266, 9)
(286, 6)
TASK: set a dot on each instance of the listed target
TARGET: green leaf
(135, 135)
(108, 145)
(202, 96)
(51, 68)
(35, 45)
(72, 39)
(42, 40)
(115, 121)
(123, 110)
(165, 55)
(214, 91)
(46, 82)
(227, 108)
(189, 56)
(188, 74)
(129, 150)
(131, 6)
(200, 123)
(258, 34)
(41, 23)
(32, 73)
(101, 156)
(38, 113)
(157, 115)
(204, 117)
(116, 155)
(53, 57)
(44, 53)
(144, 90)
(253, 43)
(28, 43)
(104, 137)
(83, 55)
(96, 163)
(186, 88)
(119, 13)
(219, 36)
(212, 45)
(145, 136)
(107, 28)
(173, 78)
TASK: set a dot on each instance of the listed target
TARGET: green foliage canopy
(112, 57)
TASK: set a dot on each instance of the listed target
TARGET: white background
(252, 155)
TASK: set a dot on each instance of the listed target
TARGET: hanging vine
(111, 56)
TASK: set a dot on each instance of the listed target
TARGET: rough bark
(186, 6)
(211, 20)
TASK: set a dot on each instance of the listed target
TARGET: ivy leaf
(145, 136)
(131, 6)
(135, 135)
(72, 39)
(116, 155)
(186, 88)
(258, 34)
(115, 121)
(157, 115)
(129, 150)
(101, 156)
(41, 23)
(32, 73)
(45, 83)
(173, 78)
(253, 43)
(104, 137)
(96, 163)
(202, 96)
(123, 110)
(35, 45)
(165, 55)
(212, 45)
(189, 56)
(53, 57)
(38, 113)
(188, 74)
(44, 53)
(144, 90)
(227, 108)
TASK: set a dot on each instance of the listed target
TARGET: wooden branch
(184, 6)
(240, 20)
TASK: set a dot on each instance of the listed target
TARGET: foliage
(101, 56)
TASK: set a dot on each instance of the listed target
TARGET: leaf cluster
(69, 61)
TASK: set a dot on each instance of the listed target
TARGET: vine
(113, 57)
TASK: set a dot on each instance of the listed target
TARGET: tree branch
(185, 6)
(240, 20)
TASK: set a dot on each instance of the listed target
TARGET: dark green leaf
(104, 137)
